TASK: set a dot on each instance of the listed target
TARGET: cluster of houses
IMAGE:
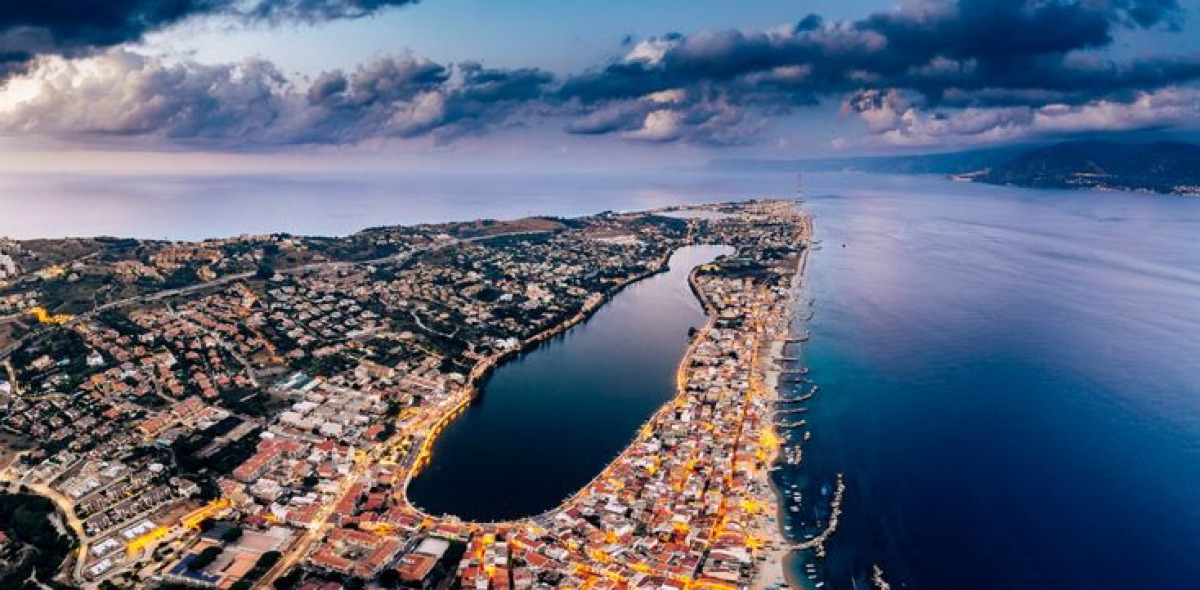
(363, 363)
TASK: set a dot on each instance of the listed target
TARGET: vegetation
(205, 558)
(290, 580)
(25, 519)
(232, 534)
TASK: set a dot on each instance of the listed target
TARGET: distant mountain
(1165, 166)
(948, 163)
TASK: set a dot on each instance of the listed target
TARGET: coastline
(764, 332)
(776, 553)
(778, 556)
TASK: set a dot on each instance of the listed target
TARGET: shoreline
(774, 567)
(473, 388)
(779, 556)
(470, 393)
(767, 315)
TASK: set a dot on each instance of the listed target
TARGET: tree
(268, 560)
(205, 558)
(289, 581)
(232, 534)
(390, 578)
(265, 270)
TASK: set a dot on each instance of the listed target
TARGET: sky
(98, 85)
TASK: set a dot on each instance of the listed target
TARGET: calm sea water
(1010, 379)
(195, 207)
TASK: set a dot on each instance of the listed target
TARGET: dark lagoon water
(550, 420)
(1010, 379)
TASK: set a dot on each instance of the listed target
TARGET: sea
(1009, 378)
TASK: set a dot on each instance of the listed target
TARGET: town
(248, 412)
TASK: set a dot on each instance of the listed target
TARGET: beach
(774, 569)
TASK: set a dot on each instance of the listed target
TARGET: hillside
(1166, 167)
(945, 163)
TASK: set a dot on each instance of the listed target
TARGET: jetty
(818, 542)
(799, 424)
(801, 338)
(788, 411)
(783, 403)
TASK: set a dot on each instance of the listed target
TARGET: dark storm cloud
(932, 47)
(411, 97)
(78, 27)
(953, 54)
(927, 70)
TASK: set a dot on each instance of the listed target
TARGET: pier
(789, 411)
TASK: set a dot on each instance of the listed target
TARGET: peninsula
(248, 412)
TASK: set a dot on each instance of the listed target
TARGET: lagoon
(551, 419)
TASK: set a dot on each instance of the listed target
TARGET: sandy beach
(773, 569)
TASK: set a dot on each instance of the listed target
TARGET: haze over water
(1008, 377)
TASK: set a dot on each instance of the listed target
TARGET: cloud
(253, 105)
(72, 28)
(964, 54)
(964, 71)
(936, 48)
(892, 121)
